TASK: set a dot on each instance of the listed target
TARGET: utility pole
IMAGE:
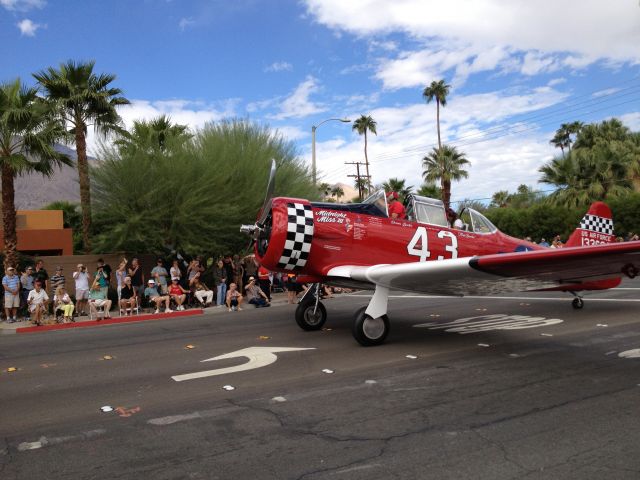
(358, 176)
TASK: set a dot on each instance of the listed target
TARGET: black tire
(577, 303)
(307, 319)
(370, 332)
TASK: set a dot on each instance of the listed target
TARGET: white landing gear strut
(371, 324)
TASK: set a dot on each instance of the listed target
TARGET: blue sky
(517, 69)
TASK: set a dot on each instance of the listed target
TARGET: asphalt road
(500, 388)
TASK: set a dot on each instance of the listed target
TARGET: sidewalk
(81, 322)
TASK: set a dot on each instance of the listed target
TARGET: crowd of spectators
(230, 281)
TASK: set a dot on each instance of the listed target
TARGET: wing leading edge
(576, 268)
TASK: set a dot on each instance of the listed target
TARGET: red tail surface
(596, 227)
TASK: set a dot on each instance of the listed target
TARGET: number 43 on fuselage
(359, 246)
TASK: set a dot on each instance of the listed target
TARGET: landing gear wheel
(370, 331)
(307, 319)
(577, 303)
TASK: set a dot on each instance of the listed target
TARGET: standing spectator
(102, 279)
(41, 275)
(250, 267)
(192, 270)
(202, 293)
(543, 242)
(291, 286)
(137, 277)
(151, 292)
(160, 274)
(11, 286)
(255, 295)
(121, 274)
(175, 271)
(220, 277)
(38, 301)
(57, 279)
(238, 271)
(228, 266)
(128, 297)
(557, 242)
(234, 298)
(106, 268)
(62, 301)
(178, 293)
(81, 278)
(264, 281)
(27, 285)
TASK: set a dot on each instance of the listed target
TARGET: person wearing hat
(11, 286)
(151, 292)
(395, 208)
(255, 295)
(160, 274)
(178, 293)
(98, 298)
(27, 285)
(57, 279)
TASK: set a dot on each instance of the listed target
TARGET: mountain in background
(33, 191)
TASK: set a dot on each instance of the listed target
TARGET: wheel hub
(373, 328)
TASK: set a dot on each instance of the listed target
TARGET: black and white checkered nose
(598, 224)
(299, 236)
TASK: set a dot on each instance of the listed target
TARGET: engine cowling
(286, 235)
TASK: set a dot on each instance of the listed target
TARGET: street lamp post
(313, 144)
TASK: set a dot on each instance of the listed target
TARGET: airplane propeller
(255, 230)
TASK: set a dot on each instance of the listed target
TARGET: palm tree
(158, 134)
(500, 199)
(83, 98)
(325, 190)
(361, 184)
(337, 192)
(362, 125)
(429, 189)
(445, 164)
(28, 131)
(397, 185)
(561, 139)
(438, 90)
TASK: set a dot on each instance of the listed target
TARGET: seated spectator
(151, 292)
(62, 301)
(38, 302)
(98, 298)
(202, 293)
(255, 295)
(177, 293)
(128, 297)
(234, 298)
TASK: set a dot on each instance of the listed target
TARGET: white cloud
(604, 93)
(279, 67)
(298, 103)
(22, 5)
(479, 124)
(631, 120)
(470, 37)
(585, 27)
(28, 28)
(184, 23)
(291, 132)
(194, 114)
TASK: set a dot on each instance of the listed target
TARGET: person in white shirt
(37, 301)
(82, 288)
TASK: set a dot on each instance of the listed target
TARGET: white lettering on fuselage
(325, 216)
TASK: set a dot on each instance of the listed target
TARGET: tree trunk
(438, 122)
(366, 161)
(9, 218)
(85, 185)
(446, 194)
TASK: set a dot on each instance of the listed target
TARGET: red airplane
(358, 246)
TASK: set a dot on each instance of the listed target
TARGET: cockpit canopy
(426, 210)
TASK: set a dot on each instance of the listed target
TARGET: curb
(110, 321)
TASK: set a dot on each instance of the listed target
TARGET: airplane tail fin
(596, 227)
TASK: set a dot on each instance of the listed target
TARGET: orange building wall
(42, 232)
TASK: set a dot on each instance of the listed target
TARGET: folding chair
(99, 310)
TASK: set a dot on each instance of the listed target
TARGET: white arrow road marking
(258, 357)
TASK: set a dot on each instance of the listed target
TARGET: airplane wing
(565, 268)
